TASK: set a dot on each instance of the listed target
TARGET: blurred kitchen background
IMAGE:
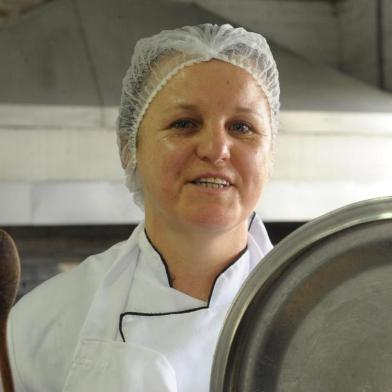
(61, 185)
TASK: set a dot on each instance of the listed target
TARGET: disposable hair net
(157, 59)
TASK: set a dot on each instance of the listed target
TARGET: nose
(213, 144)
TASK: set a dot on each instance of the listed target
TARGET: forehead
(212, 73)
(209, 81)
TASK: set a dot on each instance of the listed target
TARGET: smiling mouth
(212, 182)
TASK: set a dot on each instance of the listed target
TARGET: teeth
(212, 182)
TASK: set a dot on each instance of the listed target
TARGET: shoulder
(44, 325)
(57, 294)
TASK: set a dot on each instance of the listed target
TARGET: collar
(151, 291)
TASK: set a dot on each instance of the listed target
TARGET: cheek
(173, 155)
(163, 167)
(255, 169)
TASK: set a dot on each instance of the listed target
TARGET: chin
(213, 220)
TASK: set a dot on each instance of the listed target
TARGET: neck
(196, 257)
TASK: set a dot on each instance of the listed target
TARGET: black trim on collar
(169, 279)
(224, 269)
(251, 220)
(122, 315)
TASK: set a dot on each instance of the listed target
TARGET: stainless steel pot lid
(316, 314)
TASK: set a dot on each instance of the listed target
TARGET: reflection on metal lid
(315, 314)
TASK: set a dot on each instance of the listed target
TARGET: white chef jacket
(115, 323)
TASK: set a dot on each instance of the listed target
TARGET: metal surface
(315, 315)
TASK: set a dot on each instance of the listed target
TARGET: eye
(240, 127)
(183, 124)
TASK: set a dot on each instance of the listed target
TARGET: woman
(196, 129)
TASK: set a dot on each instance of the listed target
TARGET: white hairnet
(158, 58)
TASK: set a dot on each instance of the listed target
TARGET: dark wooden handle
(6, 375)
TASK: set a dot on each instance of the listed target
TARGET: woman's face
(204, 148)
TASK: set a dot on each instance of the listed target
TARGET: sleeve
(18, 383)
